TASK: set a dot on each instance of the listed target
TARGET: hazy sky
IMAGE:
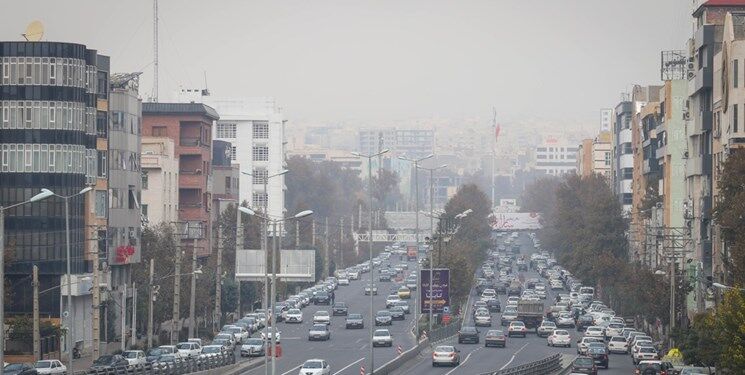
(381, 60)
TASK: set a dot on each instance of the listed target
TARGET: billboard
(440, 290)
(515, 221)
(294, 265)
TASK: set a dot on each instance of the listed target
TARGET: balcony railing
(191, 142)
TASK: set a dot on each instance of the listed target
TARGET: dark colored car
(20, 369)
(278, 313)
(500, 288)
(153, 354)
(584, 365)
(397, 313)
(468, 335)
(355, 321)
(514, 290)
(600, 356)
(493, 305)
(384, 276)
(584, 321)
(109, 362)
(340, 308)
(322, 298)
(495, 337)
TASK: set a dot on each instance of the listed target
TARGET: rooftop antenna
(155, 51)
(34, 31)
(206, 91)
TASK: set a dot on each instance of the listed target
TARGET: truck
(530, 312)
(411, 253)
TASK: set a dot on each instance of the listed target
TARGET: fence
(544, 366)
(185, 366)
(445, 332)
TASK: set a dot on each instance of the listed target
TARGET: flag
(496, 132)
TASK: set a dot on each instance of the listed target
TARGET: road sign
(440, 290)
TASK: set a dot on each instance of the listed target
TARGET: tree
(385, 189)
(730, 328)
(540, 196)
(728, 213)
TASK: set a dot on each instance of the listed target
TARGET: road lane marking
(348, 366)
(462, 363)
(513, 356)
(292, 370)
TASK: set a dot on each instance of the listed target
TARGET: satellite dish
(34, 31)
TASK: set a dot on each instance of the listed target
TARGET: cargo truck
(530, 312)
(411, 253)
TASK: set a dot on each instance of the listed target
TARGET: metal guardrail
(541, 367)
(445, 332)
(185, 366)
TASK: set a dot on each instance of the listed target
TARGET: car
(135, 357)
(153, 354)
(224, 339)
(383, 318)
(595, 331)
(403, 305)
(411, 283)
(319, 332)
(315, 367)
(494, 305)
(239, 333)
(397, 313)
(197, 340)
(321, 317)
(445, 354)
(508, 316)
(488, 294)
(49, 366)
(468, 334)
(599, 355)
(384, 276)
(374, 289)
(660, 367)
(391, 299)
(253, 347)
(618, 344)
(109, 362)
(322, 298)
(495, 337)
(517, 328)
(382, 337)
(559, 337)
(584, 365)
(189, 349)
(20, 369)
(614, 329)
(212, 352)
(585, 341)
(645, 353)
(404, 292)
(169, 349)
(343, 281)
(584, 321)
(354, 321)
(271, 331)
(546, 328)
(482, 318)
(565, 320)
(339, 308)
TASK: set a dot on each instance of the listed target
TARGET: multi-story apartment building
(623, 158)
(225, 177)
(189, 125)
(160, 178)
(555, 158)
(594, 156)
(49, 96)
(414, 143)
(606, 119)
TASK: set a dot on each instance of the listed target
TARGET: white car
(595, 331)
(382, 337)
(315, 367)
(482, 318)
(189, 349)
(614, 329)
(560, 337)
(271, 331)
(546, 328)
(322, 317)
(391, 299)
(353, 275)
(294, 316)
(50, 366)
(488, 295)
(618, 344)
(343, 281)
(645, 353)
(565, 320)
(517, 328)
(582, 344)
(135, 357)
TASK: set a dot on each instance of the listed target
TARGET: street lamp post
(372, 284)
(264, 243)
(275, 245)
(416, 238)
(70, 307)
(153, 295)
(38, 197)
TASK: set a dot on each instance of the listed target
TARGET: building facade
(190, 126)
(159, 180)
(623, 158)
(225, 177)
(606, 119)
(413, 143)
(556, 158)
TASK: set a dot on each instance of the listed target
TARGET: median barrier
(547, 365)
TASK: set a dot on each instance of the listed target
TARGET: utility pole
(326, 263)
(176, 319)
(193, 300)
(37, 339)
(151, 297)
(238, 247)
(96, 299)
(155, 51)
(297, 234)
(216, 320)
(341, 242)
(134, 315)
(124, 317)
(275, 243)
(313, 233)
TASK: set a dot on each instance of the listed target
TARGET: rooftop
(180, 109)
(718, 3)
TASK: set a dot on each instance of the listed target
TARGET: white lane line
(359, 340)
(462, 363)
(292, 370)
(348, 366)
(363, 347)
(513, 356)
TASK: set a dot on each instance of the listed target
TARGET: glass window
(259, 199)
(100, 203)
(261, 153)
(259, 175)
(226, 130)
(735, 72)
(233, 152)
(261, 129)
(144, 180)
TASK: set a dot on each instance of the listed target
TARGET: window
(261, 129)
(227, 183)
(259, 200)
(101, 203)
(226, 130)
(144, 180)
(259, 176)
(159, 131)
(735, 72)
(626, 148)
(627, 198)
(734, 118)
(144, 211)
(261, 153)
(232, 153)
(102, 164)
(607, 159)
(627, 173)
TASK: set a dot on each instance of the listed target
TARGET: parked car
(20, 369)
(319, 332)
(211, 352)
(382, 337)
(445, 354)
(253, 347)
(153, 354)
(135, 358)
(109, 362)
(49, 366)
(189, 349)
(495, 337)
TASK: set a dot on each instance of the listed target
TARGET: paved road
(348, 349)
(477, 359)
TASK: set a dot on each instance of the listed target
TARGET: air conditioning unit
(685, 154)
(686, 115)
(691, 75)
(691, 66)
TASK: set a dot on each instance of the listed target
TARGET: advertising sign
(440, 290)
(515, 221)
